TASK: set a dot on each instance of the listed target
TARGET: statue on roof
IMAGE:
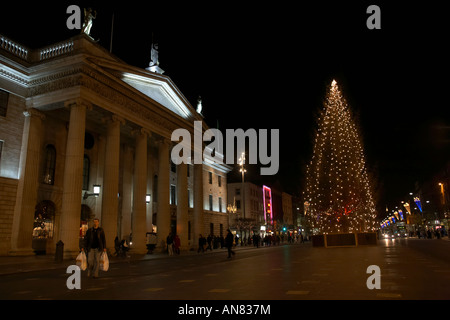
(199, 105)
(89, 15)
(154, 59)
(154, 55)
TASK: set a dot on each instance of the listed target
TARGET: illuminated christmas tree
(338, 197)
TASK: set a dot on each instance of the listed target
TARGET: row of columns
(73, 179)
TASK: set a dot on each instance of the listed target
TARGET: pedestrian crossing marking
(219, 290)
(310, 281)
(94, 289)
(23, 292)
(299, 292)
(389, 295)
(153, 289)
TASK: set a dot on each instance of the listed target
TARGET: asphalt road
(410, 269)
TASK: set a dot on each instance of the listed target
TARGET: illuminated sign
(268, 211)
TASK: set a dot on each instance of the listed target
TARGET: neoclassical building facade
(84, 135)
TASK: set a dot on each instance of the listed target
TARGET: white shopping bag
(82, 261)
(104, 262)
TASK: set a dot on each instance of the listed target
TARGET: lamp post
(243, 171)
(231, 208)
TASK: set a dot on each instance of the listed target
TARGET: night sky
(268, 66)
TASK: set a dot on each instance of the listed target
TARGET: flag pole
(112, 31)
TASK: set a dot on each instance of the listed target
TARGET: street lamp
(442, 193)
(96, 192)
(231, 209)
(243, 171)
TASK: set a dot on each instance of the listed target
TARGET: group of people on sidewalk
(94, 245)
(173, 244)
(227, 242)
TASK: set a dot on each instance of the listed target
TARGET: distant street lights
(231, 208)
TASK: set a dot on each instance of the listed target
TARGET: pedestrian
(94, 245)
(201, 244)
(209, 239)
(177, 244)
(229, 244)
(169, 242)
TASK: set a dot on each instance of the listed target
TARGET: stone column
(110, 188)
(27, 189)
(182, 205)
(127, 191)
(150, 192)
(198, 203)
(73, 178)
(163, 211)
(139, 191)
(101, 147)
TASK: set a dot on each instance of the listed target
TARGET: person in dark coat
(201, 244)
(209, 239)
(95, 245)
(229, 244)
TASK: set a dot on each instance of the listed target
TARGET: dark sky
(268, 65)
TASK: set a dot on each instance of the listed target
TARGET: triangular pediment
(159, 91)
(159, 88)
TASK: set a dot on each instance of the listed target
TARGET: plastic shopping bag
(104, 262)
(82, 261)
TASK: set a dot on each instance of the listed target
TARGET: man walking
(95, 245)
(169, 241)
(229, 244)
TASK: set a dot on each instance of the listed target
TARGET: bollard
(59, 253)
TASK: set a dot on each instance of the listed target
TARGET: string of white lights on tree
(338, 196)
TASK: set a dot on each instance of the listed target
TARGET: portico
(108, 124)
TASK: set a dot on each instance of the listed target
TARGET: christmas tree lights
(338, 189)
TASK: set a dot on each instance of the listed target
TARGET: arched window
(86, 169)
(49, 165)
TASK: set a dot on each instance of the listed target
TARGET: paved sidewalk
(12, 265)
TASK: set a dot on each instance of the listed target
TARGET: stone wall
(8, 190)
(11, 129)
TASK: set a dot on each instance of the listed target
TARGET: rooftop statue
(89, 15)
(154, 60)
(154, 55)
(199, 105)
